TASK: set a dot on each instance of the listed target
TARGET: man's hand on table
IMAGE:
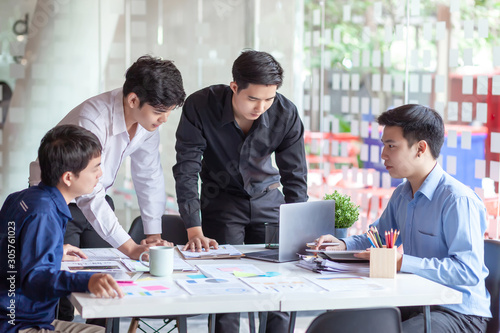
(72, 253)
(155, 240)
(329, 239)
(197, 241)
(104, 286)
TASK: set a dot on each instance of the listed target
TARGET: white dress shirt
(104, 116)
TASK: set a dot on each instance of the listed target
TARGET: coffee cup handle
(140, 258)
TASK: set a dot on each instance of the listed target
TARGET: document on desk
(212, 286)
(223, 252)
(345, 283)
(228, 271)
(325, 266)
(155, 288)
(279, 284)
(112, 267)
(104, 254)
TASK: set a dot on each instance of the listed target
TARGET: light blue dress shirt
(442, 230)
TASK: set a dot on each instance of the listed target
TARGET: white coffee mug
(161, 260)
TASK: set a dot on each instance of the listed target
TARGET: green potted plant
(346, 212)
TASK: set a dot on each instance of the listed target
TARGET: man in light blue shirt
(442, 221)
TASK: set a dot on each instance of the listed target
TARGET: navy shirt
(32, 226)
(211, 144)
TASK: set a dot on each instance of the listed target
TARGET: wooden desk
(405, 290)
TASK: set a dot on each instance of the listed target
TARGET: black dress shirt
(211, 144)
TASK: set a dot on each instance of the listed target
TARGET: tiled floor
(198, 324)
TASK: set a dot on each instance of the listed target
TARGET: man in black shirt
(227, 135)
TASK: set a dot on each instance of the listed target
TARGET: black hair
(66, 148)
(156, 82)
(418, 123)
(255, 67)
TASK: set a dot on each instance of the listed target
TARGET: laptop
(299, 223)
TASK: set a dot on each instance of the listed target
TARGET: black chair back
(173, 229)
(492, 261)
(374, 320)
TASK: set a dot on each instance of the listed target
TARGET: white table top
(404, 290)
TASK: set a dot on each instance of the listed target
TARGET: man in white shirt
(126, 121)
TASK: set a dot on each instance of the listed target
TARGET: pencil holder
(383, 263)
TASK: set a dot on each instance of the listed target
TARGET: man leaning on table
(442, 221)
(126, 121)
(32, 225)
(227, 136)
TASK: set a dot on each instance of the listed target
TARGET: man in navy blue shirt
(32, 226)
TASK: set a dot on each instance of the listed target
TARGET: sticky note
(354, 82)
(327, 36)
(415, 7)
(337, 38)
(316, 17)
(376, 180)
(454, 6)
(388, 33)
(336, 81)
(244, 274)
(398, 83)
(355, 127)
(365, 105)
(197, 276)
(344, 149)
(468, 29)
(154, 288)
(467, 112)
(366, 35)
(452, 139)
(366, 58)
(467, 84)
(335, 151)
(345, 81)
(452, 111)
(387, 83)
(453, 58)
(387, 59)
(355, 104)
(327, 102)
(480, 169)
(363, 155)
(386, 180)
(482, 112)
(414, 83)
(468, 57)
(316, 38)
(355, 59)
(494, 170)
(482, 85)
(439, 83)
(399, 32)
(496, 56)
(375, 82)
(375, 133)
(482, 28)
(377, 10)
(271, 274)
(426, 58)
(364, 129)
(375, 106)
(451, 164)
(427, 31)
(344, 101)
(495, 88)
(466, 140)
(426, 83)
(440, 30)
(374, 154)
(495, 142)
(376, 58)
(347, 13)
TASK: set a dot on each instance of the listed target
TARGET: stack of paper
(325, 266)
(223, 252)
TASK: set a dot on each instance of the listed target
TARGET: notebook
(299, 223)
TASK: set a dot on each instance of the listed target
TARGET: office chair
(492, 260)
(173, 230)
(374, 320)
